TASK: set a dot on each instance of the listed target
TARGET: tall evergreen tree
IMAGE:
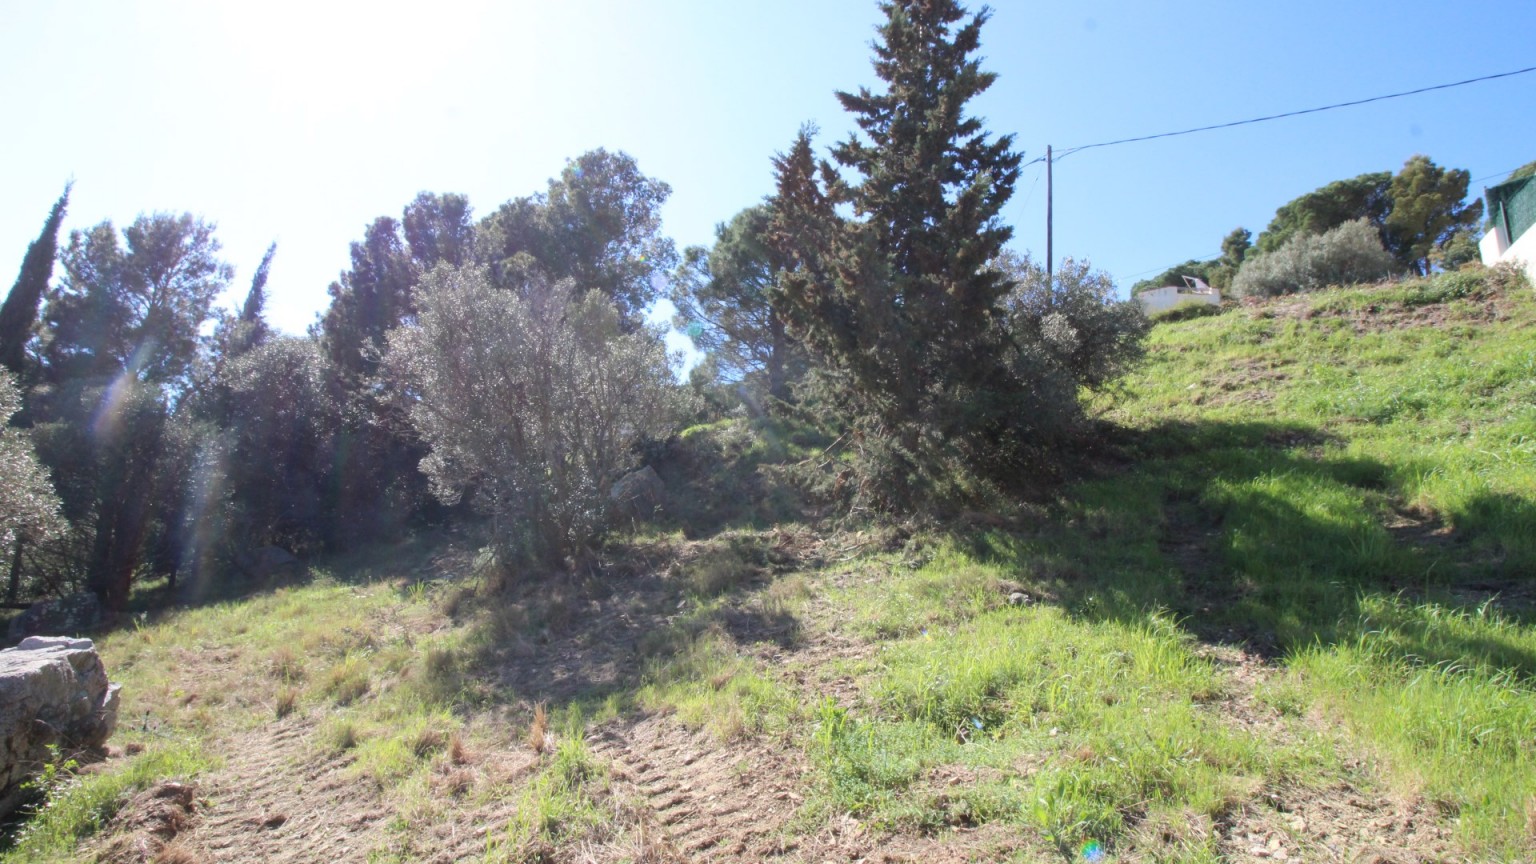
(1368, 196)
(898, 300)
(19, 312)
(1428, 210)
(369, 300)
(376, 484)
(237, 334)
(123, 337)
(256, 298)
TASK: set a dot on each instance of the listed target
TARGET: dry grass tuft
(285, 665)
(347, 681)
(179, 852)
(458, 753)
(337, 736)
(538, 730)
(287, 700)
(427, 741)
(457, 782)
(720, 569)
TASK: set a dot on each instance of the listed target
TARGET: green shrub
(1349, 254)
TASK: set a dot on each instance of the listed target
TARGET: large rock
(53, 691)
(76, 613)
(638, 494)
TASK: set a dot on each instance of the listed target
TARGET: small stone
(1282, 855)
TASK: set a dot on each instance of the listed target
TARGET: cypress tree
(250, 329)
(897, 301)
(19, 312)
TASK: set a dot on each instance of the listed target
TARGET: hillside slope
(1285, 614)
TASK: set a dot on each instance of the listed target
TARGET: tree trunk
(778, 388)
(13, 586)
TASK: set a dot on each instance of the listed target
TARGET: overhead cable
(1071, 150)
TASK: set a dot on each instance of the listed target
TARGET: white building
(1194, 290)
(1512, 210)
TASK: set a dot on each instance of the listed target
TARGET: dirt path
(275, 800)
(712, 802)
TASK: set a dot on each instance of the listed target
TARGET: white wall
(1159, 299)
(1495, 249)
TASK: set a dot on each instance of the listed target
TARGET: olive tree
(1071, 323)
(29, 509)
(532, 400)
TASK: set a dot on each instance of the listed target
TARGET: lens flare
(1092, 852)
(694, 330)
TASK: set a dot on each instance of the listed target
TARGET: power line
(1029, 196)
(1504, 173)
(1201, 259)
(1071, 150)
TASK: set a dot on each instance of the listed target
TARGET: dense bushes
(533, 402)
(29, 509)
(1073, 321)
(1346, 255)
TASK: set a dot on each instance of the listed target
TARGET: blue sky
(301, 122)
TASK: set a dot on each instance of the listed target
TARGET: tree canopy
(722, 299)
(895, 300)
(1368, 196)
(598, 224)
(1417, 212)
(1427, 210)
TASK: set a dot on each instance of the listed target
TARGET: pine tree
(898, 301)
(20, 310)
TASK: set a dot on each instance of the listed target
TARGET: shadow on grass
(592, 642)
(1267, 536)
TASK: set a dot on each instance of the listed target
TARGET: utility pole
(1049, 259)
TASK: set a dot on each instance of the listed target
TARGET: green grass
(1301, 445)
(341, 651)
(80, 806)
(1077, 726)
(711, 686)
(567, 803)
(1320, 478)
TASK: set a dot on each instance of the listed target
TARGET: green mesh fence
(1513, 206)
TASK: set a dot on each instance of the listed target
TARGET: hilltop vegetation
(938, 556)
(1282, 610)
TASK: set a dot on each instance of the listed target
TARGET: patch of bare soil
(588, 645)
(1390, 314)
(1250, 380)
(275, 801)
(1336, 824)
(847, 839)
(712, 801)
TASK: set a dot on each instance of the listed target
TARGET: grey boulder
(54, 692)
(638, 494)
